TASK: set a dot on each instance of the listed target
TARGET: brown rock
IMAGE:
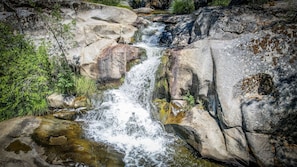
(47, 141)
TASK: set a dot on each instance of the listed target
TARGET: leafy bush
(24, 76)
(189, 99)
(182, 6)
(84, 86)
(62, 76)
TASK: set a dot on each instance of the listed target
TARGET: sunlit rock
(66, 115)
(240, 63)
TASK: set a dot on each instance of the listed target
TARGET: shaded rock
(262, 148)
(201, 3)
(160, 4)
(186, 70)
(17, 146)
(187, 134)
(211, 139)
(216, 23)
(285, 152)
(237, 145)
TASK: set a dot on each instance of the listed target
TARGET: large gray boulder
(240, 66)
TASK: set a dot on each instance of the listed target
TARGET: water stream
(123, 118)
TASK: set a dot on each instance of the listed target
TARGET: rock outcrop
(239, 64)
(94, 38)
(47, 141)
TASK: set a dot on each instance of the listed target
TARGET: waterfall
(123, 119)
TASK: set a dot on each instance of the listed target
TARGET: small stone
(66, 115)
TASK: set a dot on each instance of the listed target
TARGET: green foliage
(62, 76)
(220, 2)
(24, 76)
(182, 6)
(107, 2)
(84, 86)
(190, 99)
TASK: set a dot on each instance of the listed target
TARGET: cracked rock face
(240, 63)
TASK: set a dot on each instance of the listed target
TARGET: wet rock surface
(46, 141)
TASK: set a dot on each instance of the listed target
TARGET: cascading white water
(124, 118)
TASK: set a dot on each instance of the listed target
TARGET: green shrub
(62, 76)
(84, 86)
(182, 6)
(220, 2)
(189, 99)
(107, 2)
(24, 76)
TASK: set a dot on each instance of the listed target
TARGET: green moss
(166, 116)
(17, 146)
(132, 63)
(63, 142)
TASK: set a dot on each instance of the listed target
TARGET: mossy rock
(165, 112)
(64, 144)
(162, 85)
